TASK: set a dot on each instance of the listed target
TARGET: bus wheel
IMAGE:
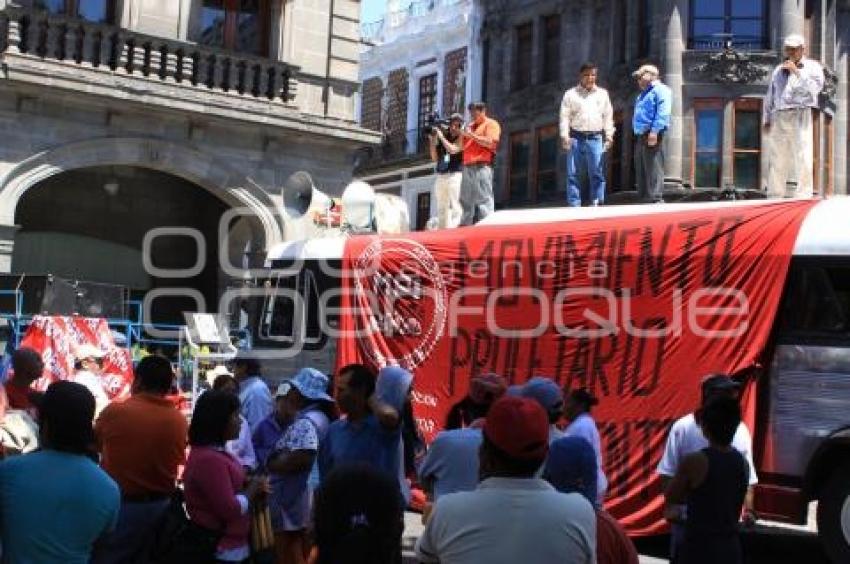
(834, 515)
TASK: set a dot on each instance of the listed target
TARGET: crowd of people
(332, 467)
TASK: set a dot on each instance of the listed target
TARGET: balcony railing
(395, 149)
(96, 46)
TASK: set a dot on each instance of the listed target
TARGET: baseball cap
(518, 427)
(88, 351)
(282, 389)
(456, 117)
(545, 392)
(652, 69)
(794, 40)
(718, 382)
(484, 388)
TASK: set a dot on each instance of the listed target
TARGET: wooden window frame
(534, 163)
(727, 18)
(528, 137)
(422, 225)
(706, 104)
(550, 67)
(231, 13)
(522, 79)
(72, 9)
(422, 112)
(746, 105)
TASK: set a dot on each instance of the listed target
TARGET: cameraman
(447, 152)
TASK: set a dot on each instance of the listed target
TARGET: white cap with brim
(651, 69)
(88, 351)
(794, 41)
(282, 390)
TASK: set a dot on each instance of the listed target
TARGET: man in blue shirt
(56, 502)
(254, 395)
(651, 120)
(371, 430)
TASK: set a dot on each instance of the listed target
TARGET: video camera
(434, 122)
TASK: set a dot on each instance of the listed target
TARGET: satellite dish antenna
(300, 194)
(358, 201)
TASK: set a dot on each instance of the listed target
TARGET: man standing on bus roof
(480, 143)
(587, 133)
(653, 108)
(686, 437)
(792, 93)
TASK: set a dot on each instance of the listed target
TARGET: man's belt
(586, 134)
(479, 163)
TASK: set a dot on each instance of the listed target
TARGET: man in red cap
(512, 516)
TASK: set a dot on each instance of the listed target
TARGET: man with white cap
(792, 93)
(686, 437)
(651, 119)
(88, 367)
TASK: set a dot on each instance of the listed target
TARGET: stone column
(791, 19)
(675, 17)
(7, 245)
(840, 129)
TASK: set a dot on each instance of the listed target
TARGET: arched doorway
(91, 223)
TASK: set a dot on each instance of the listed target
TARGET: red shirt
(612, 544)
(142, 442)
(19, 396)
(473, 153)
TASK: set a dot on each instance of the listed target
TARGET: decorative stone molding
(830, 88)
(730, 66)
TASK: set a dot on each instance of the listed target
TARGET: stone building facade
(716, 57)
(419, 60)
(124, 116)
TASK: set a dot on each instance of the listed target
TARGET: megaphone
(300, 195)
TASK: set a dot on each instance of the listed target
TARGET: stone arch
(234, 188)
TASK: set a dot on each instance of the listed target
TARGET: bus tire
(834, 515)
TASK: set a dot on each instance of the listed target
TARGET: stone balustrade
(88, 45)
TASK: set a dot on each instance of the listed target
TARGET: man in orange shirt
(142, 442)
(480, 143)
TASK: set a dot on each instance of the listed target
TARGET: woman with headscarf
(577, 410)
(571, 468)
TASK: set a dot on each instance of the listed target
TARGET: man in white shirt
(89, 366)
(512, 516)
(587, 132)
(686, 437)
(792, 93)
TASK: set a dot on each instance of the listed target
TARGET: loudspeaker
(300, 194)
(94, 299)
(42, 294)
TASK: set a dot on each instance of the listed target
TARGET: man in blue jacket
(651, 120)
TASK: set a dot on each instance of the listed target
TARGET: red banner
(636, 308)
(56, 338)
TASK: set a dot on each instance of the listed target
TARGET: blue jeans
(586, 159)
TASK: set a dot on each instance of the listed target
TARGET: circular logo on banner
(403, 310)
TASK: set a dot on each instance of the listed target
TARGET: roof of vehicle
(825, 230)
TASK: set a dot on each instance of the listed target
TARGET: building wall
(428, 38)
(66, 113)
(619, 36)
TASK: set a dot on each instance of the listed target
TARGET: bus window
(817, 302)
(279, 311)
(313, 328)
